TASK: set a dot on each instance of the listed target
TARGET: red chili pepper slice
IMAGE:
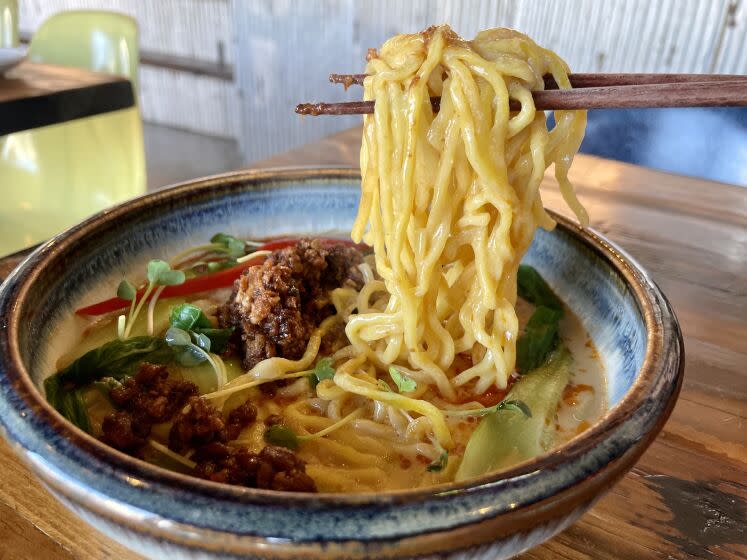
(213, 281)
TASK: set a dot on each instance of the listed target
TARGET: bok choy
(115, 359)
(508, 436)
(540, 336)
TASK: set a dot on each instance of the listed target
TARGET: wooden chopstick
(589, 80)
(714, 93)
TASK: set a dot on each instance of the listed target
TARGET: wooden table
(687, 496)
(34, 95)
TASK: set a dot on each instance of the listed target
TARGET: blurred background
(217, 80)
(231, 72)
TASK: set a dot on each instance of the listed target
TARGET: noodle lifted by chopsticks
(451, 200)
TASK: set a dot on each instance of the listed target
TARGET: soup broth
(380, 449)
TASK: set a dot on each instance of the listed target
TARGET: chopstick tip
(308, 109)
(347, 80)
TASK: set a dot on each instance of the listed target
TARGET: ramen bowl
(158, 512)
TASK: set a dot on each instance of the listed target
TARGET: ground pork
(274, 468)
(275, 307)
(150, 397)
(143, 400)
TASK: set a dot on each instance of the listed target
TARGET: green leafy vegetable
(187, 353)
(69, 403)
(109, 363)
(404, 384)
(236, 247)
(201, 340)
(159, 273)
(215, 266)
(192, 348)
(74, 408)
(438, 464)
(177, 337)
(188, 317)
(383, 385)
(539, 339)
(126, 290)
(105, 386)
(322, 370)
(219, 338)
(282, 436)
(116, 359)
(533, 288)
(510, 436)
(519, 406)
(515, 405)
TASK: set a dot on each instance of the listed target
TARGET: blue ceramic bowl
(158, 512)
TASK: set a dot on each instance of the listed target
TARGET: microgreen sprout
(212, 265)
(220, 243)
(234, 247)
(126, 290)
(404, 384)
(383, 385)
(191, 318)
(284, 436)
(515, 405)
(159, 274)
(322, 370)
(194, 339)
(439, 463)
(152, 309)
(192, 349)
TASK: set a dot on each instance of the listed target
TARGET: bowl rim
(646, 294)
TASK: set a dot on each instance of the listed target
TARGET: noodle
(374, 378)
(450, 202)
(452, 199)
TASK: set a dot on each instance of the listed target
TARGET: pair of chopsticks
(592, 91)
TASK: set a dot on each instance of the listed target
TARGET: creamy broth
(387, 361)
(352, 458)
(371, 466)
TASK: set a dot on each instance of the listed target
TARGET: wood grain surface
(34, 95)
(679, 94)
(687, 496)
